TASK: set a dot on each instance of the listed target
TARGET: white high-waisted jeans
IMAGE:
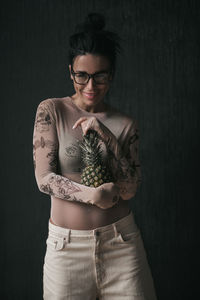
(108, 262)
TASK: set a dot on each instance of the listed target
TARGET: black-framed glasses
(83, 77)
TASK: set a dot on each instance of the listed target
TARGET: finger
(78, 122)
(86, 126)
(85, 129)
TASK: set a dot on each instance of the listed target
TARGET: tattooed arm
(125, 161)
(45, 149)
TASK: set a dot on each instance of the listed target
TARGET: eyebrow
(102, 71)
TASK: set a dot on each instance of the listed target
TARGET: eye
(81, 75)
(101, 75)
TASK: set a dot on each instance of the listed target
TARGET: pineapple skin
(95, 176)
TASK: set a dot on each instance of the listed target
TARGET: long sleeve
(124, 159)
(45, 149)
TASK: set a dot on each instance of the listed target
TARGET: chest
(69, 153)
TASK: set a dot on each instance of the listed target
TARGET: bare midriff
(77, 215)
(82, 216)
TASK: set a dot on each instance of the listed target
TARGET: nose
(90, 83)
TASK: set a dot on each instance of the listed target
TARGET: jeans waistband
(121, 223)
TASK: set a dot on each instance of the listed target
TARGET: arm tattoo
(60, 187)
(53, 159)
(125, 164)
(44, 143)
(43, 120)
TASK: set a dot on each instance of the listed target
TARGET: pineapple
(95, 172)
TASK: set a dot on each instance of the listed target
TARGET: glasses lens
(101, 78)
(81, 78)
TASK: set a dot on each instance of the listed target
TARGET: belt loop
(115, 230)
(68, 236)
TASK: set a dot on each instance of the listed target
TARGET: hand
(106, 195)
(88, 123)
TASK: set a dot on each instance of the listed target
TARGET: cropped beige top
(56, 153)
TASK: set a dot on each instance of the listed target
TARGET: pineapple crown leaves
(91, 149)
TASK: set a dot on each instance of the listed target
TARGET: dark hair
(90, 37)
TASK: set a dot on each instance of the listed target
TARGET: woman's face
(90, 95)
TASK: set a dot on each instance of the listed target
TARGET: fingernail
(73, 126)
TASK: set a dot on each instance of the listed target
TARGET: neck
(99, 107)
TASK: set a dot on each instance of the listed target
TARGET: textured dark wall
(157, 82)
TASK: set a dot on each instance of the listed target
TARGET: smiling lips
(89, 95)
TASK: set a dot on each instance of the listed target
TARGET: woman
(94, 248)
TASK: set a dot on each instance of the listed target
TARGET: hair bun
(93, 22)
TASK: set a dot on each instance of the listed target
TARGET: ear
(70, 68)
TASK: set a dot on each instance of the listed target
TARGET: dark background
(157, 82)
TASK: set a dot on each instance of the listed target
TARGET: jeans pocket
(128, 237)
(56, 243)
